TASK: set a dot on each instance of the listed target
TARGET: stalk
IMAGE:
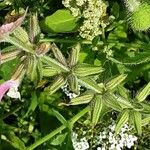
(59, 129)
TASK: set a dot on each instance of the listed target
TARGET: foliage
(43, 51)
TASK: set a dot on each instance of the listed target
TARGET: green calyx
(139, 19)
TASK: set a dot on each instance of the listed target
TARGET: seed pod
(139, 17)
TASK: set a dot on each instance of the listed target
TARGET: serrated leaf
(115, 82)
(86, 70)
(57, 83)
(142, 57)
(60, 21)
(141, 96)
(84, 99)
(58, 54)
(137, 121)
(74, 56)
(122, 119)
(97, 108)
(110, 101)
(52, 62)
(73, 83)
(90, 84)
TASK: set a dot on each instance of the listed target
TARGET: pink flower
(9, 85)
(11, 26)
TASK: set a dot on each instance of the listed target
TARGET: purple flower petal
(5, 87)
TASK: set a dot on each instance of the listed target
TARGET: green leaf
(84, 99)
(19, 44)
(7, 56)
(58, 54)
(60, 21)
(53, 63)
(97, 108)
(115, 82)
(145, 121)
(39, 70)
(146, 107)
(141, 96)
(50, 71)
(22, 35)
(59, 116)
(58, 139)
(74, 56)
(7, 68)
(137, 121)
(115, 9)
(118, 33)
(57, 83)
(123, 102)
(33, 104)
(32, 69)
(90, 84)
(140, 58)
(34, 28)
(86, 70)
(110, 101)
(73, 83)
(122, 119)
(16, 141)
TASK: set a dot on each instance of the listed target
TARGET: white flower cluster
(70, 94)
(8, 2)
(106, 140)
(109, 141)
(82, 144)
(93, 13)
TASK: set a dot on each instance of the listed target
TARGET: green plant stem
(86, 42)
(57, 40)
(58, 130)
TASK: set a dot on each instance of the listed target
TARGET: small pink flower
(10, 84)
(10, 27)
